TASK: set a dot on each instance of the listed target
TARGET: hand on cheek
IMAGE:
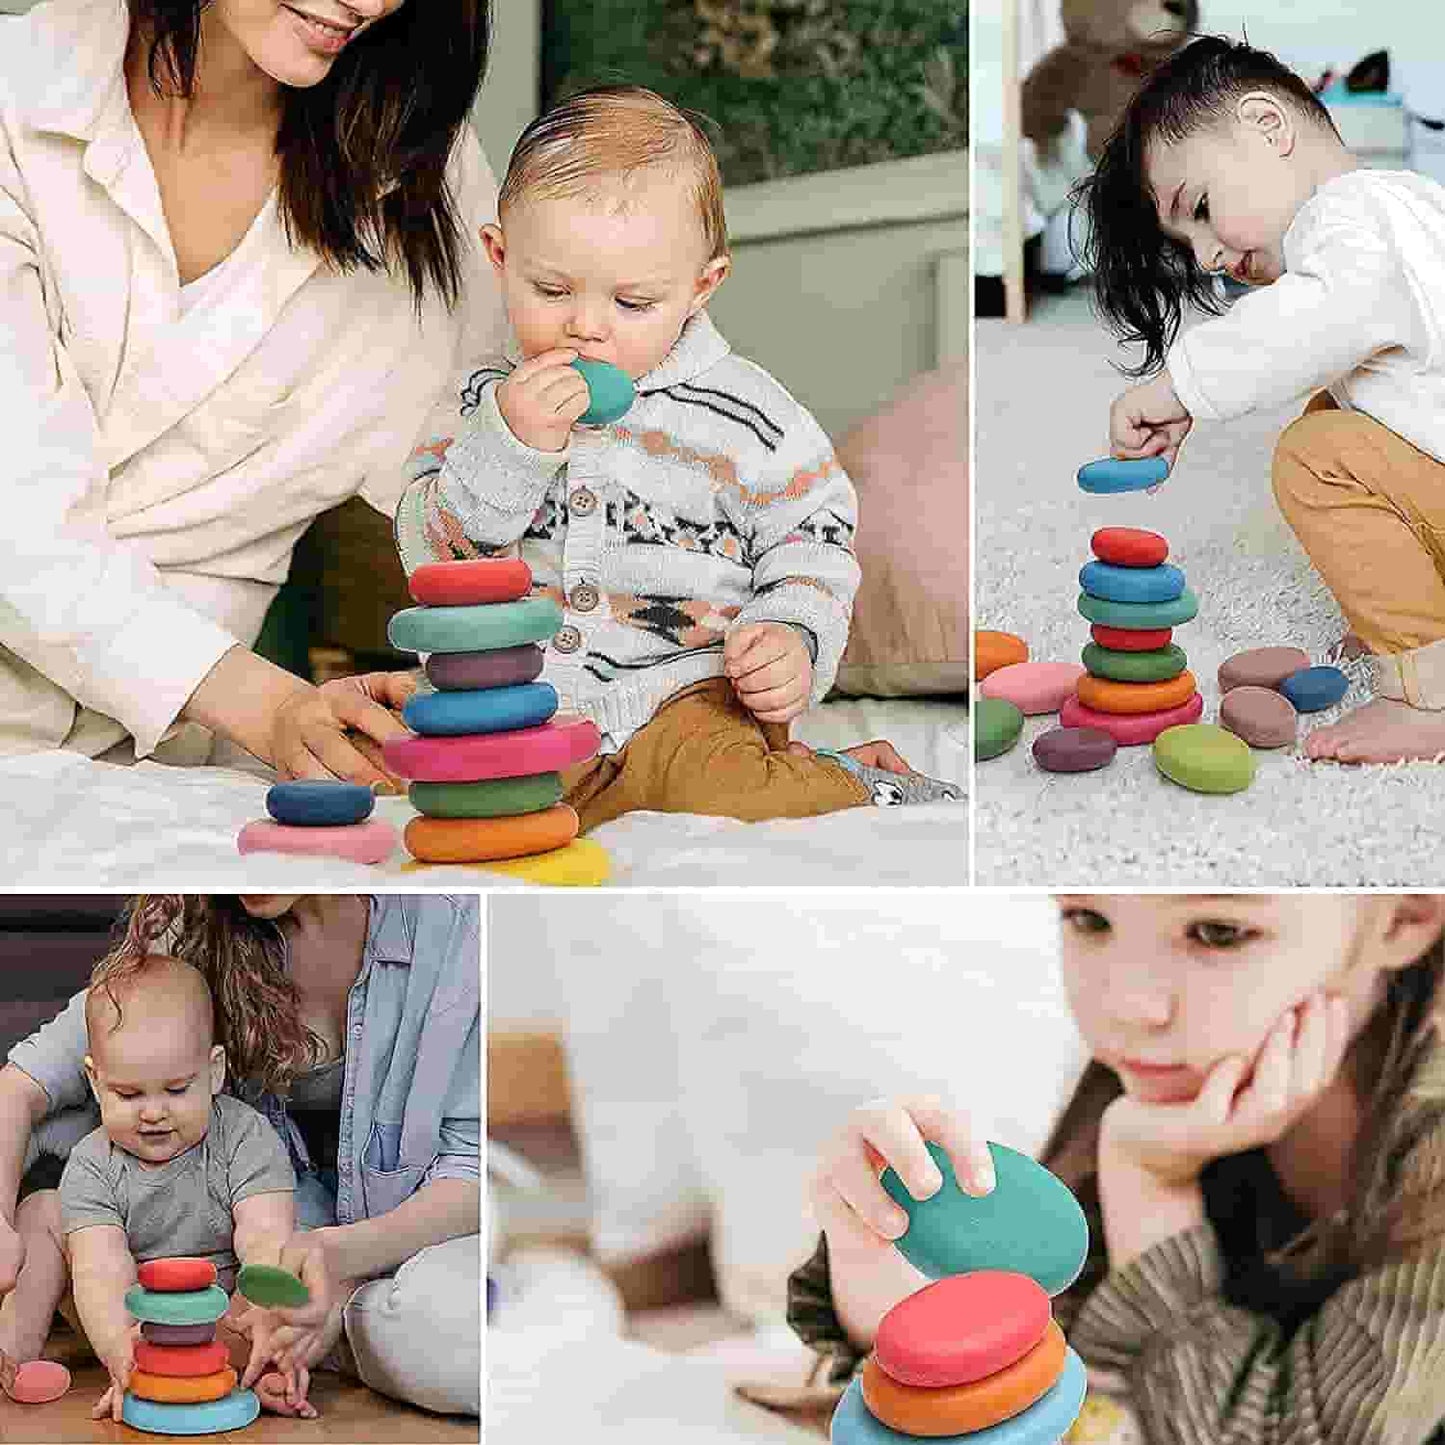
(1239, 1107)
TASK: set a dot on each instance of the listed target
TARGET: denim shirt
(411, 1102)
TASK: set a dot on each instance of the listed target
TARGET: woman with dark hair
(239, 250)
(353, 1024)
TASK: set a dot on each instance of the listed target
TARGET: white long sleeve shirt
(1360, 310)
(162, 452)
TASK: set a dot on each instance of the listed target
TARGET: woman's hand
(332, 731)
(282, 1335)
(1296, 1063)
(1149, 421)
(849, 1202)
(769, 668)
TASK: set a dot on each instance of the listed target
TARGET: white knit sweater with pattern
(714, 503)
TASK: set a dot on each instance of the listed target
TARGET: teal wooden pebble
(211, 1417)
(1139, 616)
(176, 1307)
(1122, 474)
(1204, 758)
(1157, 665)
(1045, 1421)
(1030, 1223)
(480, 628)
(610, 389)
(1313, 689)
(1131, 584)
(997, 724)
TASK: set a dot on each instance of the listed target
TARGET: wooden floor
(349, 1412)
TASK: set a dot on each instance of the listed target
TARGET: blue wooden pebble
(1131, 584)
(319, 803)
(1044, 1422)
(211, 1417)
(1123, 474)
(1030, 1223)
(609, 388)
(482, 710)
(1313, 689)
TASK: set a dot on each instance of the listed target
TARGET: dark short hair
(364, 153)
(1142, 277)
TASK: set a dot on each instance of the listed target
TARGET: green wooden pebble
(176, 1307)
(1139, 615)
(609, 389)
(1204, 758)
(997, 724)
(270, 1287)
(1158, 665)
(1030, 1224)
(491, 798)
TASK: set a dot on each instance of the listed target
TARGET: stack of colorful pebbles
(485, 764)
(183, 1382)
(976, 1355)
(320, 817)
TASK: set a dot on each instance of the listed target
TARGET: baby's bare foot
(1351, 646)
(1382, 731)
(271, 1392)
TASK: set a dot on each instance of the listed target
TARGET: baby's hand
(1297, 1061)
(1149, 421)
(848, 1200)
(12, 1257)
(542, 399)
(119, 1361)
(769, 666)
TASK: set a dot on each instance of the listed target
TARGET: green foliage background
(793, 85)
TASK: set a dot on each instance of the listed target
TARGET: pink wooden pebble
(1130, 729)
(1033, 687)
(476, 757)
(38, 1382)
(368, 842)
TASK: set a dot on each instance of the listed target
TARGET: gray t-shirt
(184, 1205)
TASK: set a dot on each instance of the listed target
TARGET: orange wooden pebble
(476, 840)
(182, 1389)
(963, 1409)
(993, 650)
(177, 1273)
(1104, 695)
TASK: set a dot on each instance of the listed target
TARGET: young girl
(1225, 162)
(1258, 1141)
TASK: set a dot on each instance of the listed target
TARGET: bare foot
(1351, 646)
(271, 1392)
(1382, 731)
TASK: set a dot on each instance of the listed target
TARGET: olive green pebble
(996, 727)
(1204, 758)
(491, 798)
(1158, 665)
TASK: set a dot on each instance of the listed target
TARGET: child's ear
(1411, 923)
(1262, 112)
(709, 279)
(494, 245)
(218, 1068)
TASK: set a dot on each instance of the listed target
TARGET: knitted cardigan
(714, 503)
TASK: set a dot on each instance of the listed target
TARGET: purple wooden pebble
(1074, 750)
(159, 1334)
(501, 667)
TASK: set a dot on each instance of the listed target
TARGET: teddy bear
(1111, 45)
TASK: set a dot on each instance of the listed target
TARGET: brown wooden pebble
(1259, 715)
(1074, 750)
(1261, 667)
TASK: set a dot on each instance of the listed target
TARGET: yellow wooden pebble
(581, 864)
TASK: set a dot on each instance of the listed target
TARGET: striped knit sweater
(716, 502)
(1364, 1367)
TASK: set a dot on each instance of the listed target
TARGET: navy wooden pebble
(1313, 689)
(319, 802)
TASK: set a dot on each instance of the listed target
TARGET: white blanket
(66, 821)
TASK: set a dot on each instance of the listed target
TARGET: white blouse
(163, 450)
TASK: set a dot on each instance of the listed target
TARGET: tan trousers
(704, 752)
(1369, 508)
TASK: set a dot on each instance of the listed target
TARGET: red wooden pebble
(181, 1360)
(466, 584)
(178, 1273)
(1127, 639)
(1129, 546)
(962, 1327)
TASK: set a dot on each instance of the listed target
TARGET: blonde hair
(122, 970)
(614, 131)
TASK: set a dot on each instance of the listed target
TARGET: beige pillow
(910, 465)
